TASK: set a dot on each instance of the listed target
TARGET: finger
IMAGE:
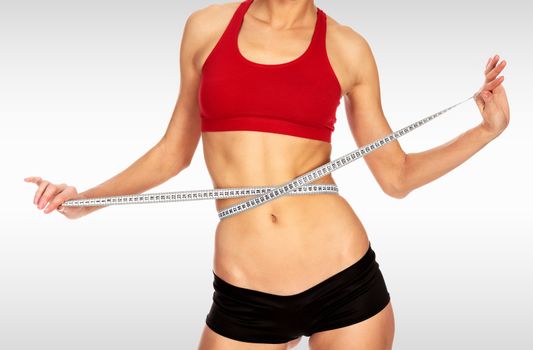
(38, 193)
(45, 197)
(487, 64)
(493, 62)
(58, 199)
(485, 95)
(493, 84)
(495, 71)
(48, 193)
(54, 203)
(36, 180)
(32, 179)
(492, 87)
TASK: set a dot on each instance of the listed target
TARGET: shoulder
(351, 49)
(353, 41)
(209, 17)
(204, 26)
(214, 10)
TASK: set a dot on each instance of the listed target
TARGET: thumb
(480, 101)
(485, 99)
(488, 98)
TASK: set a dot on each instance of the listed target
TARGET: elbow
(180, 166)
(172, 162)
(185, 163)
(398, 194)
(396, 191)
(397, 188)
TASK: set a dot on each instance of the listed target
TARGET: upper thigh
(374, 333)
(210, 340)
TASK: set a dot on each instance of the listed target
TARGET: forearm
(423, 167)
(150, 170)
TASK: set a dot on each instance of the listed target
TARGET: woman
(260, 84)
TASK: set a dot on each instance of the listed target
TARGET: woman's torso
(293, 242)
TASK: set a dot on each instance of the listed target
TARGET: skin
(293, 233)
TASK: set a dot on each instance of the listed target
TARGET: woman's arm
(170, 155)
(399, 173)
(423, 167)
(175, 150)
(153, 168)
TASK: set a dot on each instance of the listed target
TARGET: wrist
(486, 133)
(85, 210)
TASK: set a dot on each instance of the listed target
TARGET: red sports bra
(298, 98)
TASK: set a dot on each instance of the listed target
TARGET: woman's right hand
(54, 195)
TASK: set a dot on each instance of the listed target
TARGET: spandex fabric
(299, 97)
(347, 297)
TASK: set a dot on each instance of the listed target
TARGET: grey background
(87, 87)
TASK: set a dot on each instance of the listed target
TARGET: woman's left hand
(491, 98)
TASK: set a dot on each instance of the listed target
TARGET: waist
(304, 198)
(295, 214)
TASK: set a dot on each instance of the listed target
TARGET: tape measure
(296, 186)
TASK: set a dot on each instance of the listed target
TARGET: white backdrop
(86, 88)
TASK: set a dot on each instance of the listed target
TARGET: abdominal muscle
(290, 243)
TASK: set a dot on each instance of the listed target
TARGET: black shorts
(352, 295)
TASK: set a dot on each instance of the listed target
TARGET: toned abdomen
(289, 244)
